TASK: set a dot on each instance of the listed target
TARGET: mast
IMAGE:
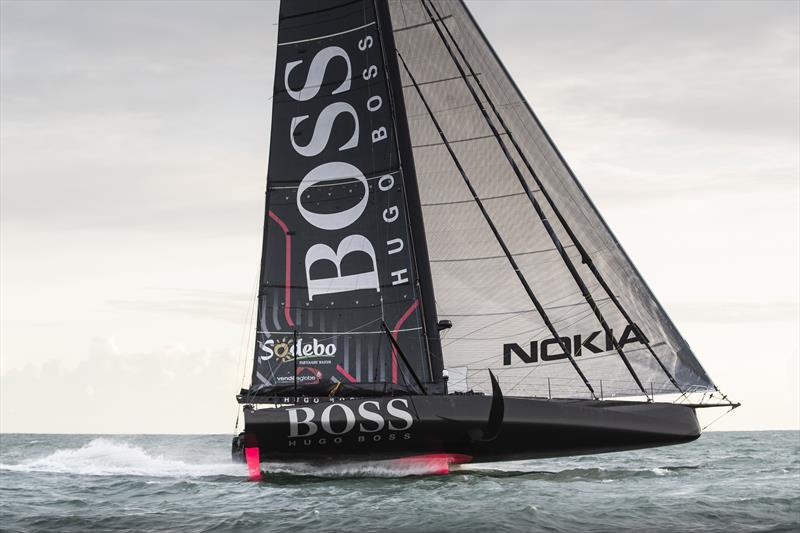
(413, 203)
(540, 213)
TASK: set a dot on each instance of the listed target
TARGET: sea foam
(108, 457)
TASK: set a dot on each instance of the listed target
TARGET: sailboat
(435, 283)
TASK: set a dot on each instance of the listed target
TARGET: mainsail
(345, 283)
(390, 113)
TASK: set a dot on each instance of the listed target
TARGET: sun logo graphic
(282, 349)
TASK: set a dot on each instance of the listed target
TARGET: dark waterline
(732, 481)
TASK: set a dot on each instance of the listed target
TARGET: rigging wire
(577, 319)
(536, 330)
(586, 259)
(733, 406)
(539, 211)
(497, 235)
(247, 326)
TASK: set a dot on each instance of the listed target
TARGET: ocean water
(738, 481)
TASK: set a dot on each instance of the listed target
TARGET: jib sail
(536, 286)
(344, 261)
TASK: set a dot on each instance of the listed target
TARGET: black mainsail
(344, 243)
(409, 180)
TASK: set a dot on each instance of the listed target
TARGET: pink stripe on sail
(345, 373)
(395, 331)
(288, 284)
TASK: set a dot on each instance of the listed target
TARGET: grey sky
(133, 141)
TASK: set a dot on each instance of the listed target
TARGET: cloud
(115, 114)
(193, 302)
(742, 312)
(679, 98)
(169, 390)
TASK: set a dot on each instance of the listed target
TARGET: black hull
(388, 428)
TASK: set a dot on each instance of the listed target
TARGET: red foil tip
(253, 463)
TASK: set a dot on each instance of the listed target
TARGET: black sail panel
(494, 324)
(339, 257)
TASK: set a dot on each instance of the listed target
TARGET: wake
(106, 457)
(109, 457)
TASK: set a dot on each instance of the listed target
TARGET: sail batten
(330, 35)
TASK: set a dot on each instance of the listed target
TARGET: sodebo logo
(370, 418)
(284, 350)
